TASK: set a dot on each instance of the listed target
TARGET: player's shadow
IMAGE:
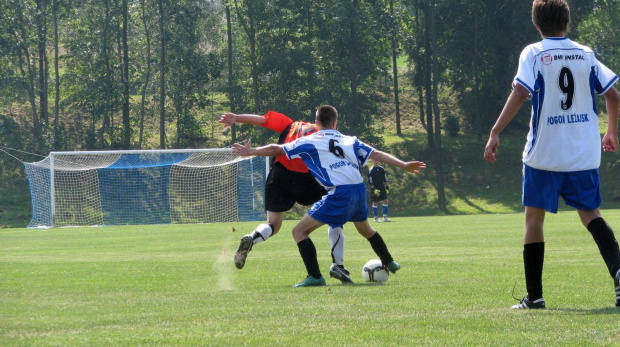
(598, 311)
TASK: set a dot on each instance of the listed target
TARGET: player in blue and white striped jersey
(335, 160)
(563, 150)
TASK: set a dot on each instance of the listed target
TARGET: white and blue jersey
(335, 160)
(563, 78)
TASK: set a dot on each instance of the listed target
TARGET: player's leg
(260, 234)
(607, 244)
(375, 210)
(337, 269)
(265, 231)
(584, 194)
(278, 199)
(541, 190)
(384, 204)
(377, 244)
(301, 233)
(533, 258)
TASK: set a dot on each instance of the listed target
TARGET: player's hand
(242, 149)
(610, 143)
(387, 190)
(229, 119)
(376, 192)
(414, 166)
(491, 148)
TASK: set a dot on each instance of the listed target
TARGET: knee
(299, 234)
(275, 226)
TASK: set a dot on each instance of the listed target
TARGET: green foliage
(600, 32)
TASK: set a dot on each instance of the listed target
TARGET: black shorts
(284, 188)
(382, 195)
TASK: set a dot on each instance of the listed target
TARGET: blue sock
(375, 211)
(385, 210)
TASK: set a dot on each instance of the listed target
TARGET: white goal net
(146, 187)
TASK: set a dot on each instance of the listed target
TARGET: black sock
(308, 255)
(380, 248)
(607, 244)
(533, 258)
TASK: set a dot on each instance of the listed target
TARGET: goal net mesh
(146, 187)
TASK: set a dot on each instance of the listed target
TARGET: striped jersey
(333, 159)
(563, 78)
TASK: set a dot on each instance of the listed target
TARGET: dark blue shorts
(542, 189)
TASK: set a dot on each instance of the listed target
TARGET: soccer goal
(146, 187)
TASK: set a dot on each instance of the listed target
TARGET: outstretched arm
(230, 118)
(612, 102)
(513, 104)
(411, 166)
(245, 149)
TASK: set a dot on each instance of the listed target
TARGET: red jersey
(289, 131)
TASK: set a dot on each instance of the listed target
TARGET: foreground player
(562, 154)
(335, 160)
(288, 182)
(378, 190)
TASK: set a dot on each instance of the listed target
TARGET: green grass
(177, 285)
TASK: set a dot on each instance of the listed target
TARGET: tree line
(131, 74)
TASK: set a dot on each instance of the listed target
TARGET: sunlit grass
(177, 285)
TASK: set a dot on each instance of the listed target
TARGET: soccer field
(176, 285)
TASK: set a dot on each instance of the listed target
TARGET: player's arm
(612, 102)
(245, 149)
(411, 166)
(229, 119)
(514, 102)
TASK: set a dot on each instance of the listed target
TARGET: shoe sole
(342, 278)
(242, 253)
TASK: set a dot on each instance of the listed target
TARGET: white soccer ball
(374, 271)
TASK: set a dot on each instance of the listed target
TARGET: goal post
(146, 187)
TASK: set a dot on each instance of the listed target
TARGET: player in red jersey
(288, 182)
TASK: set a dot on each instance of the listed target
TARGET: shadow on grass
(597, 311)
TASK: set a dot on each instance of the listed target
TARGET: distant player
(563, 150)
(335, 160)
(379, 190)
(288, 182)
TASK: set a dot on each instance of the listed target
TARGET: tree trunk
(42, 38)
(395, 71)
(441, 196)
(162, 79)
(310, 68)
(248, 27)
(477, 80)
(56, 73)
(231, 81)
(29, 74)
(108, 84)
(147, 34)
(126, 125)
(353, 60)
(427, 74)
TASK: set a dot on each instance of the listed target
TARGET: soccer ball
(374, 271)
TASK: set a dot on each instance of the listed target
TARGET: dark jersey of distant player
(289, 180)
(378, 180)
